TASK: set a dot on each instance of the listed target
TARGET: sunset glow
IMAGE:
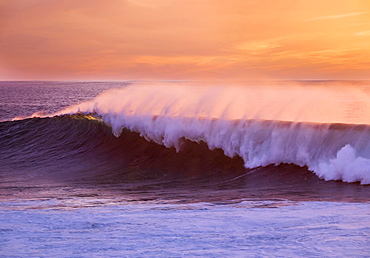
(172, 39)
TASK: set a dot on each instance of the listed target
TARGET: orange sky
(184, 39)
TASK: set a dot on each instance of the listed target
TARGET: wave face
(77, 155)
(81, 147)
(228, 120)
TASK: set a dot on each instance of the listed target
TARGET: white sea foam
(247, 121)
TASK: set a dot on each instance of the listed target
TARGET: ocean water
(173, 169)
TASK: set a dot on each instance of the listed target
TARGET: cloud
(257, 46)
(338, 16)
(140, 38)
(363, 33)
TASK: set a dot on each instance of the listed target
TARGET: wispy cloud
(338, 16)
(363, 33)
(257, 46)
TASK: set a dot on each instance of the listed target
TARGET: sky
(184, 39)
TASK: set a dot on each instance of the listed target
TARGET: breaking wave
(241, 124)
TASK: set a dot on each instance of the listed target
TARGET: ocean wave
(86, 143)
(165, 115)
(332, 151)
(170, 116)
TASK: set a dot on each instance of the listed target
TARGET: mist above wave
(283, 101)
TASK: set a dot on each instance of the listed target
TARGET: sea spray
(282, 101)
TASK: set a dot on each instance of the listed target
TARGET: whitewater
(324, 128)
